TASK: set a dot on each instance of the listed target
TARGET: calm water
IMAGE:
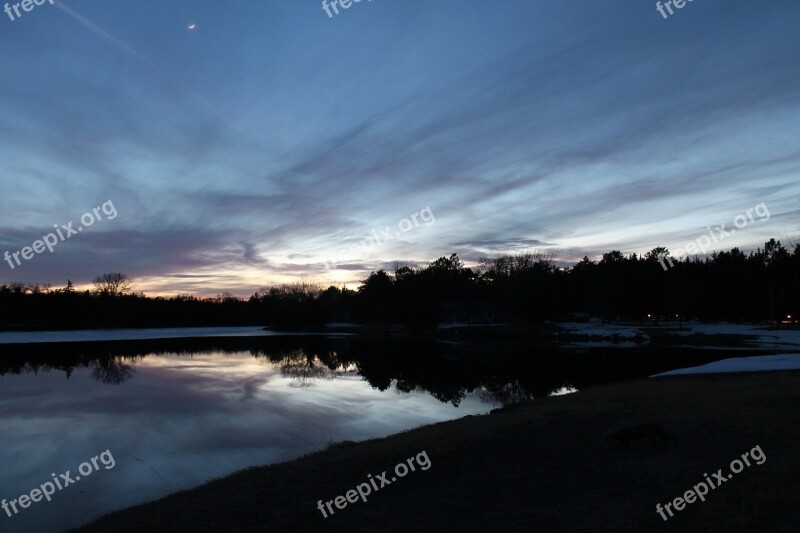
(175, 413)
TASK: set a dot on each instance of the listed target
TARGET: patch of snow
(716, 348)
(742, 364)
(767, 338)
(599, 330)
(86, 335)
(604, 344)
(451, 325)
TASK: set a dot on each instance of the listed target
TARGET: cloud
(605, 127)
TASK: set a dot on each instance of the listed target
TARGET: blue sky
(271, 138)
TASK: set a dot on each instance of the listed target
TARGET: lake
(176, 412)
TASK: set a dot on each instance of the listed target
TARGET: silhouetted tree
(112, 284)
(727, 285)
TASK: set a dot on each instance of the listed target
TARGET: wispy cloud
(249, 157)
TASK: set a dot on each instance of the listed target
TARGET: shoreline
(540, 465)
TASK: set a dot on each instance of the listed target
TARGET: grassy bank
(541, 466)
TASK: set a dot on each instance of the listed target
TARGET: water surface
(175, 413)
(175, 421)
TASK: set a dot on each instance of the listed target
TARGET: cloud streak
(626, 132)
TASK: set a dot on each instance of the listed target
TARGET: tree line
(731, 285)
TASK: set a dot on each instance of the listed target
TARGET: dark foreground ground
(542, 466)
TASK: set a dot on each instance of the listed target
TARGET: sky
(241, 144)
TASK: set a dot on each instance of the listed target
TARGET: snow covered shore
(741, 364)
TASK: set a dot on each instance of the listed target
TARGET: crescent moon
(191, 26)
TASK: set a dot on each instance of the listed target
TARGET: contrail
(116, 43)
(130, 52)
